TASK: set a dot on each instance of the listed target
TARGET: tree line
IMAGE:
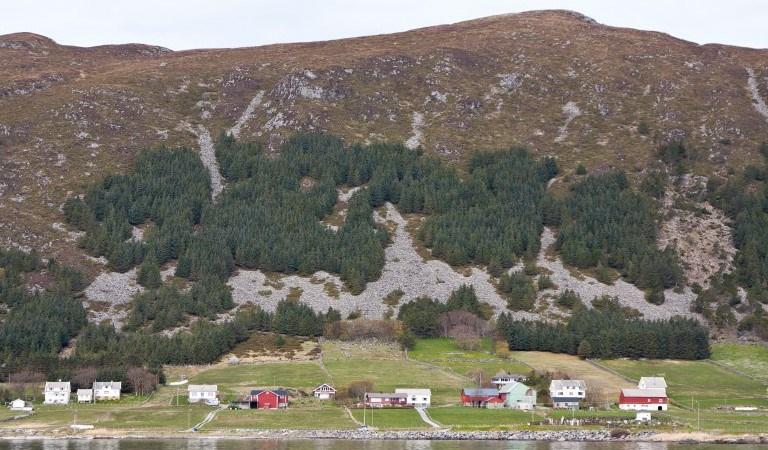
(608, 333)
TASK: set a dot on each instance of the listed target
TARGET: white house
(324, 392)
(420, 398)
(567, 393)
(502, 377)
(107, 390)
(57, 392)
(203, 393)
(84, 395)
(20, 405)
(652, 383)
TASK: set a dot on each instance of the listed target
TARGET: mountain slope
(553, 81)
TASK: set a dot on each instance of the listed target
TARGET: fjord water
(326, 444)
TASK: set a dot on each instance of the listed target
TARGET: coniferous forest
(270, 217)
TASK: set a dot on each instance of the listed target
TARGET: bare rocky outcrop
(404, 269)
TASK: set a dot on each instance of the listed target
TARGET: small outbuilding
(84, 395)
(20, 405)
(269, 398)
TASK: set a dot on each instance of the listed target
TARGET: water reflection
(254, 444)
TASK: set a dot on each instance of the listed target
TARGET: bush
(655, 297)
(545, 282)
(581, 170)
(518, 290)
(643, 128)
(357, 389)
(569, 299)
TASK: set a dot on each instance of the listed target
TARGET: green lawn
(331, 417)
(706, 382)
(391, 419)
(113, 417)
(749, 359)
(463, 418)
(238, 380)
(443, 352)
(721, 421)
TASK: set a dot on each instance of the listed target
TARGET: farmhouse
(652, 383)
(84, 395)
(567, 393)
(643, 399)
(324, 392)
(106, 390)
(418, 398)
(517, 395)
(269, 398)
(203, 393)
(479, 397)
(385, 400)
(57, 392)
(502, 377)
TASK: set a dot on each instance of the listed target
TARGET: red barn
(269, 398)
(643, 399)
(479, 397)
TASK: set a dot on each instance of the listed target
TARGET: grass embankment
(751, 360)
(444, 353)
(391, 419)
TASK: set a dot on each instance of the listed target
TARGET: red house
(643, 399)
(388, 400)
(269, 398)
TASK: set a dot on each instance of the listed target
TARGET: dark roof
(484, 392)
(566, 399)
(280, 392)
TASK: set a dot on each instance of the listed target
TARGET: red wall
(642, 400)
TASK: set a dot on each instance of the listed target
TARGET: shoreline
(437, 435)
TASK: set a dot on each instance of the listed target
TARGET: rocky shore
(446, 435)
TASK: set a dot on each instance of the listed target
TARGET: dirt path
(208, 418)
(428, 420)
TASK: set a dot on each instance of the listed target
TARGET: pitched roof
(386, 394)
(653, 382)
(279, 392)
(108, 385)
(202, 388)
(567, 384)
(409, 391)
(481, 392)
(324, 385)
(84, 391)
(51, 385)
(644, 392)
(514, 386)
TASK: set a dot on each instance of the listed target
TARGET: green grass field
(332, 417)
(444, 353)
(391, 419)
(239, 380)
(751, 360)
(708, 383)
(463, 418)
(112, 417)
